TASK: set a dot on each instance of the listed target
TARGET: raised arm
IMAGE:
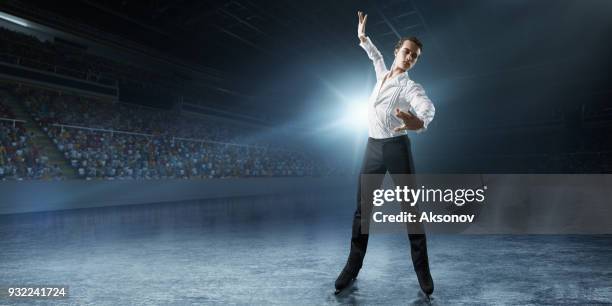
(368, 46)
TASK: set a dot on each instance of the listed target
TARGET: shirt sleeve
(422, 106)
(375, 56)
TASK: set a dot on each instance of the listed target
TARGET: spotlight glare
(13, 19)
(356, 115)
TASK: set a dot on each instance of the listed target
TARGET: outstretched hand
(363, 18)
(411, 122)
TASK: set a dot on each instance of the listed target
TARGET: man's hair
(413, 39)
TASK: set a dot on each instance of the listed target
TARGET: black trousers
(391, 155)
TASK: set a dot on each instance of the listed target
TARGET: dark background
(519, 86)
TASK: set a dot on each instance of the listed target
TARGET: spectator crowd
(104, 140)
(20, 158)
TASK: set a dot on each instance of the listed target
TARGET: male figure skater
(396, 106)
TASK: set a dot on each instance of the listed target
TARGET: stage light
(13, 19)
(356, 115)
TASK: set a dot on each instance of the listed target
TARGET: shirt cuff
(367, 44)
(421, 130)
(425, 124)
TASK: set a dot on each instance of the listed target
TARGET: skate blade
(345, 289)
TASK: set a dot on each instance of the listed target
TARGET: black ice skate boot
(425, 281)
(348, 274)
(345, 279)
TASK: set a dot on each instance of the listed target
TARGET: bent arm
(375, 56)
(422, 106)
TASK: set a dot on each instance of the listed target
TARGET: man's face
(407, 55)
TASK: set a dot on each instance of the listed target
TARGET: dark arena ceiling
(281, 51)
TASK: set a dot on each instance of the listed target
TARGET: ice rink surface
(282, 250)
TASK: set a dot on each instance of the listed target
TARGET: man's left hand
(411, 122)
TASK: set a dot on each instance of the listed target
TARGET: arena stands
(20, 158)
(104, 140)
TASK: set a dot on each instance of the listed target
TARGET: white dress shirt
(398, 92)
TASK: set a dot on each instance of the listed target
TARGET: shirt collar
(404, 79)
